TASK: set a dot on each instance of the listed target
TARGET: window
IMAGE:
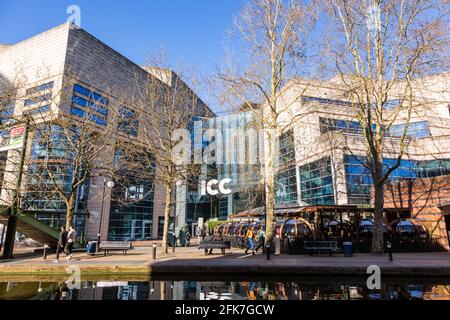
(316, 182)
(359, 179)
(415, 130)
(326, 101)
(128, 121)
(286, 185)
(39, 88)
(391, 104)
(327, 124)
(42, 98)
(286, 147)
(96, 104)
(39, 110)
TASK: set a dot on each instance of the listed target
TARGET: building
(66, 73)
(322, 151)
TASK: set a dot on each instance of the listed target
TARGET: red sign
(17, 131)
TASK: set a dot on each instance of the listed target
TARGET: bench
(209, 245)
(322, 245)
(108, 246)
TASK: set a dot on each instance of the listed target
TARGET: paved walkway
(191, 261)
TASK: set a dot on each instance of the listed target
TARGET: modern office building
(66, 73)
(323, 156)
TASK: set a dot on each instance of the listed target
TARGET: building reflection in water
(216, 290)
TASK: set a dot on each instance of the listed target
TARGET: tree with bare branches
(381, 51)
(273, 34)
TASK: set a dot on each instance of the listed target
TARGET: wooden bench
(321, 245)
(208, 245)
(108, 246)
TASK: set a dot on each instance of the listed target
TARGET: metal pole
(101, 217)
(154, 251)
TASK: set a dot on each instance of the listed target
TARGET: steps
(34, 229)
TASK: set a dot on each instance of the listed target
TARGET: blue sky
(189, 30)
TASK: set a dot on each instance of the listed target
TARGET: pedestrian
(62, 241)
(249, 235)
(208, 238)
(261, 234)
(71, 236)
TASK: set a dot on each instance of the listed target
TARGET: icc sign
(213, 187)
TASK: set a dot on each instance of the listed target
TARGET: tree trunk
(270, 199)
(165, 241)
(377, 239)
(69, 212)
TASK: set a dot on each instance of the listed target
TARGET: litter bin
(348, 249)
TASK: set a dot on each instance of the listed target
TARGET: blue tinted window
(89, 94)
(39, 110)
(42, 87)
(80, 101)
(77, 112)
(97, 120)
(81, 90)
(392, 104)
(415, 130)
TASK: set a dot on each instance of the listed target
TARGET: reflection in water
(225, 290)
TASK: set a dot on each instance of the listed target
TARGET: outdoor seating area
(300, 230)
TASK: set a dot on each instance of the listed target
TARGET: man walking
(261, 234)
(62, 241)
(71, 236)
(250, 243)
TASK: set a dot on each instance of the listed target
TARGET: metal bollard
(98, 243)
(154, 251)
(268, 251)
(45, 252)
(389, 247)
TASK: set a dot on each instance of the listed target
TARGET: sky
(192, 31)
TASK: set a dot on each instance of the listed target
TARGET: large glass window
(316, 182)
(128, 122)
(415, 130)
(85, 101)
(286, 185)
(286, 147)
(131, 212)
(327, 124)
(47, 160)
(359, 179)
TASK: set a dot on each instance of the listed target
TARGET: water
(228, 289)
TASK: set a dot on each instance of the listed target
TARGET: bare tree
(381, 50)
(165, 106)
(68, 151)
(273, 35)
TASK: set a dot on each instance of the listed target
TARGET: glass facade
(286, 176)
(327, 124)
(131, 211)
(316, 182)
(415, 130)
(128, 122)
(359, 179)
(56, 157)
(90, 104)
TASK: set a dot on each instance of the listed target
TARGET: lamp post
(109, 184)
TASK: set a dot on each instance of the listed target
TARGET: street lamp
(109, 184)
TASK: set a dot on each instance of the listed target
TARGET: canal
(238, 288)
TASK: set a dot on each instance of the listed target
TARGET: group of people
(66, 242)
(254, 238)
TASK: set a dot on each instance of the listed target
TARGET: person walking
(71, 236)
(249, 235)
(62, 241)
(261, 234)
